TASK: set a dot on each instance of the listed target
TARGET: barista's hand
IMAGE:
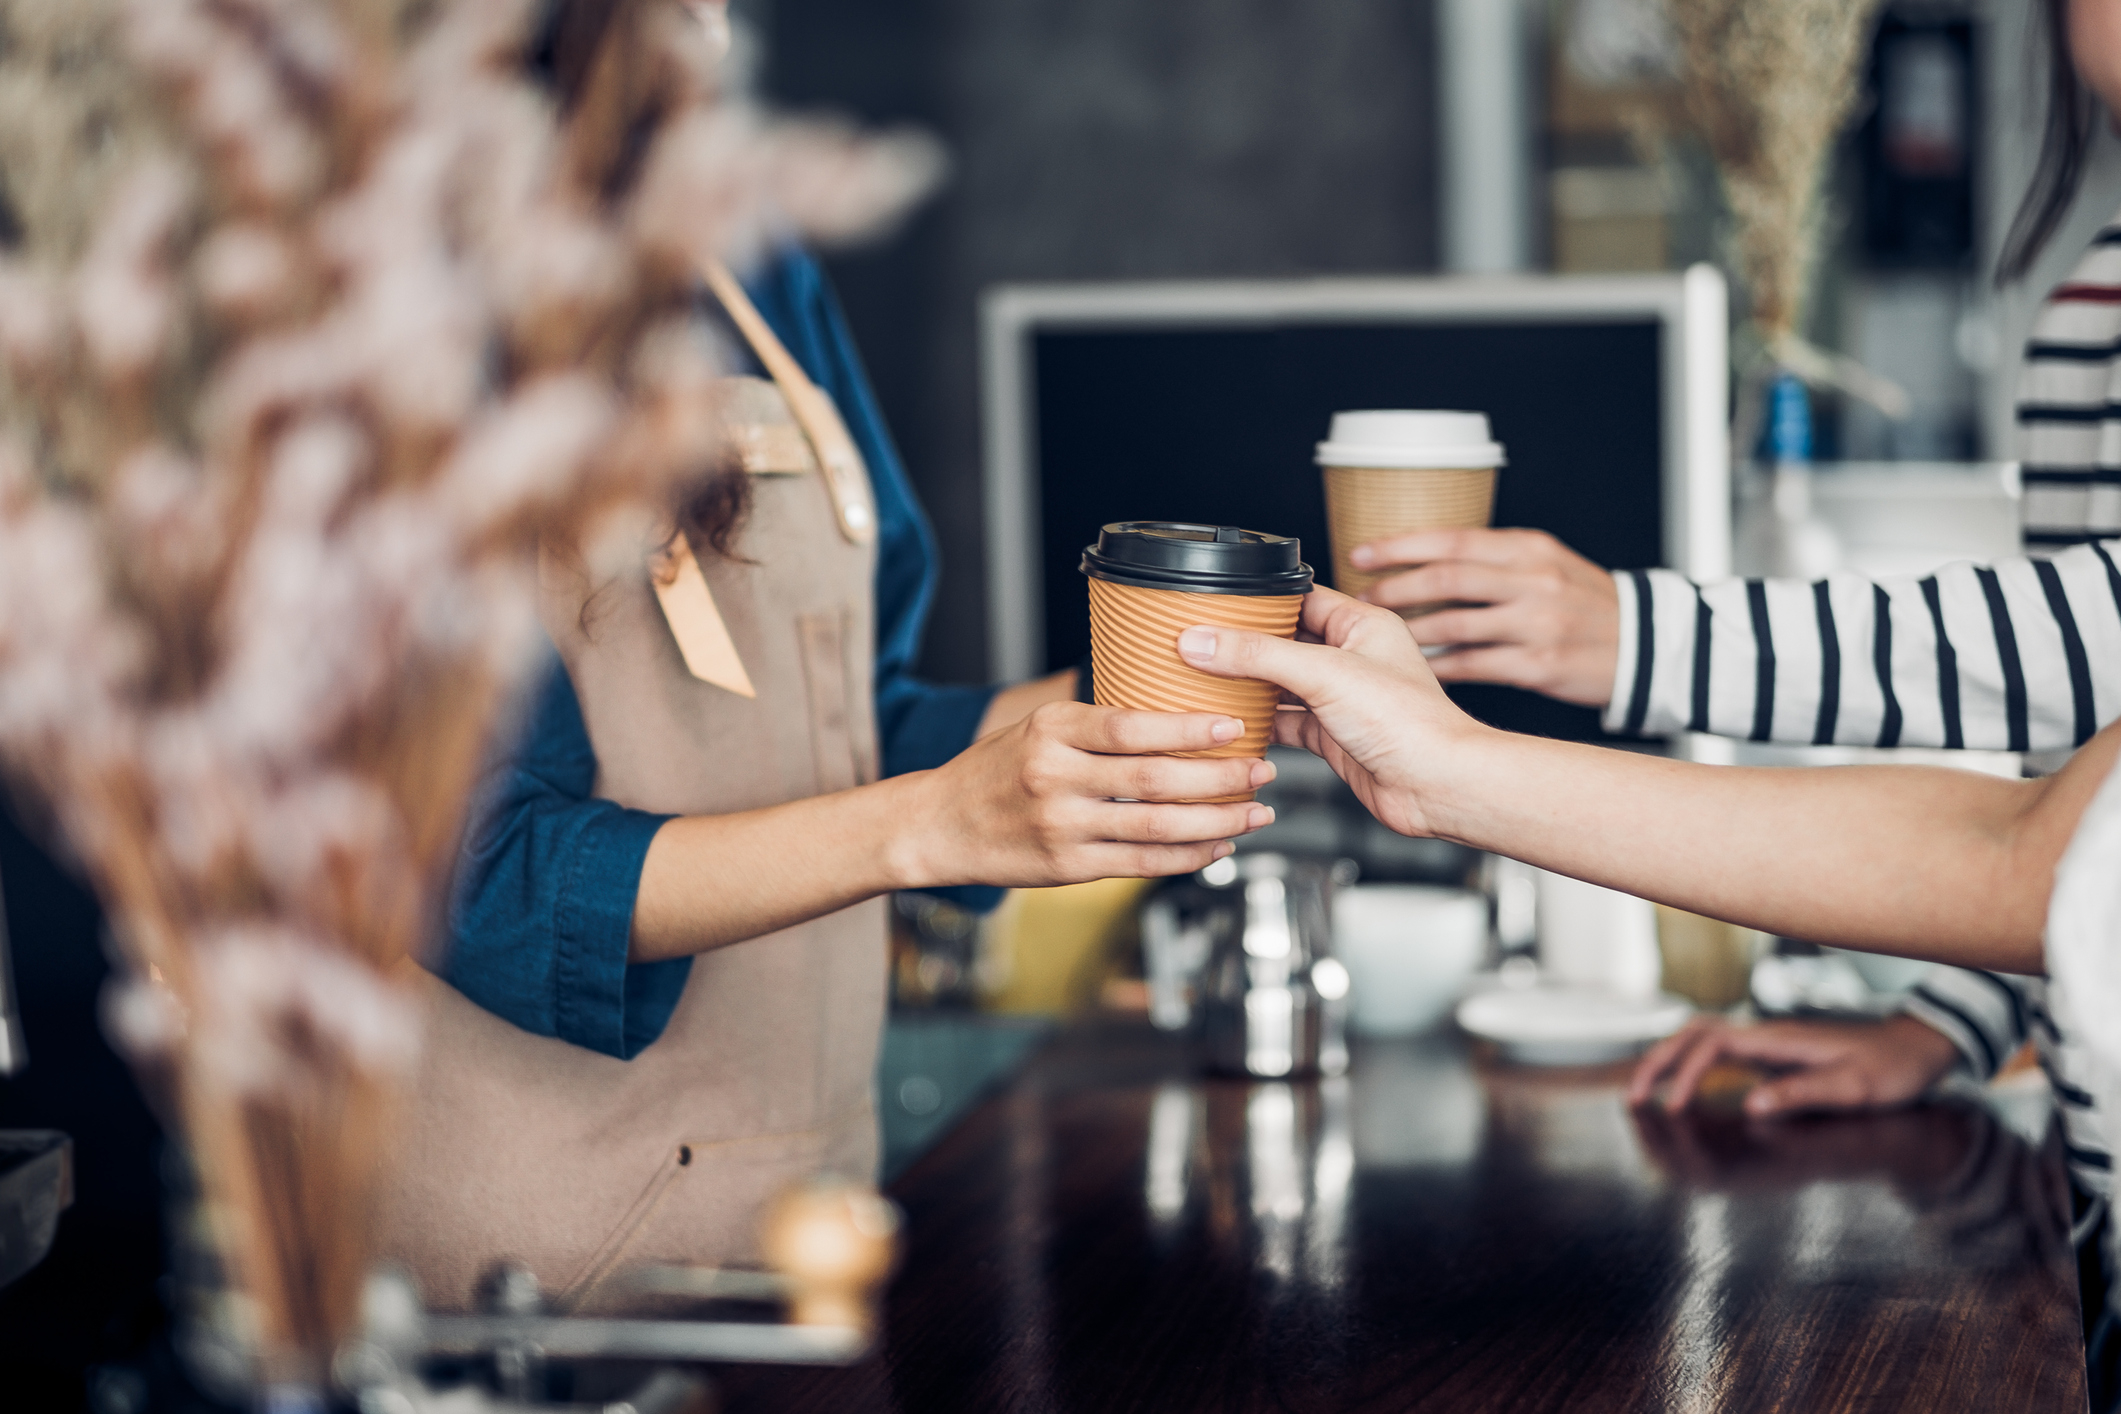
(1074, 792)
(1829, 1065)
(1546, 618)
(1374, 711)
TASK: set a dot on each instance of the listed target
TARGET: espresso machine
(1240, 957)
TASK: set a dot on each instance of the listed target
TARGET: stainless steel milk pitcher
(1242, 958)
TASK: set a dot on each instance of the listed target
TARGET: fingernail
(1362, 556)
(1260, 817)
(1759, 1104)
(1197, 644)
(1263, 772)
(1225, 850)
(1227, 728)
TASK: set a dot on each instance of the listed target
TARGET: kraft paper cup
(1394, 471)
(1368, 503)
(1135, 663)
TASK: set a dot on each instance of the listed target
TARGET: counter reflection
(1308, 1185)
(1119, 1230)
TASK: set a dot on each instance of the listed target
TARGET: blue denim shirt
(542, 914)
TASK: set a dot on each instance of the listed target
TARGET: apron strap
(845, 475)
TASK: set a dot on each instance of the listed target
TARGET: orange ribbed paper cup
(1150, 581)
(1134, 658)
(1366, 503)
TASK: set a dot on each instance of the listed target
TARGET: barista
(666, 982)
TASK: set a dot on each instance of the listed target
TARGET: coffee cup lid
(1197, 559)
(1396, 438)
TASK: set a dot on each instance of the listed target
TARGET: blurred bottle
(1778, 535)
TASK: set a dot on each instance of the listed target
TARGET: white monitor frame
(1692, 309)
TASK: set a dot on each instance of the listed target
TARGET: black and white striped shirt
(2069, 405)
(2020, 655)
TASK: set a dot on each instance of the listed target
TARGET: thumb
(1830, 1087)
(1306, 670)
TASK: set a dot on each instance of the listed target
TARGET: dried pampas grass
(1769, 84)
(322, 316)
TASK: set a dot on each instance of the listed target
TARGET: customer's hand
(1372, 709)
(1829, 1065)
(1074, 792)
(1542, 617)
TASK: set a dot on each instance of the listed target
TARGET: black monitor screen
(1218, 425)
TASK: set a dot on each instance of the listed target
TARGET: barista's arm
(1947, 865)
(1067, 794)
(555, 887)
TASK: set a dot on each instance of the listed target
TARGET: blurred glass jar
(1707, 961)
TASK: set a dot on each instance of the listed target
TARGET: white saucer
(1571, 1026)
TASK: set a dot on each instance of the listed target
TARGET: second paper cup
(1393, 472)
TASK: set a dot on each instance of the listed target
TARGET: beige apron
(577, 1165)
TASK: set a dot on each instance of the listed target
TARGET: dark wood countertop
(1113, 1232)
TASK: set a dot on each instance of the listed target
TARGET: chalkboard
(1218, 424)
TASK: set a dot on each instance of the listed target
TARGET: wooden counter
(1112, 1232)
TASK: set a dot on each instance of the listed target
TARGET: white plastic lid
(1394, 438)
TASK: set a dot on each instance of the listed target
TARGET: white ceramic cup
(1409, 949)
(1597, 937)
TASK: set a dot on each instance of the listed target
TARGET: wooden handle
(834, 1243)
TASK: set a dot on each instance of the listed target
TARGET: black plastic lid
(1197, 559)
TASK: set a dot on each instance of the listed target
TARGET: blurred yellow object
(1047, 950)
(1708, 962)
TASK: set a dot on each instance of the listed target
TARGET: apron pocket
(824, 645)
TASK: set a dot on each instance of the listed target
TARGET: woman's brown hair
(2065, 148)
(711, 510)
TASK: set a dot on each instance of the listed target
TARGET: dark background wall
(1102, 139)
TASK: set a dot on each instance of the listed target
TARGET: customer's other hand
(1827, 1065)
(1538, 615)
(1372, 709)
(1074, 792)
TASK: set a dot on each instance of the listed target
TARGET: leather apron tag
(688, 607)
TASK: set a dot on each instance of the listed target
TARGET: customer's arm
(1941, 864)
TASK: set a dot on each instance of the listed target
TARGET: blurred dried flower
(323, 318)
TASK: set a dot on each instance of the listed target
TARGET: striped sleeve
(2069, 406)
(2021, 655)
(1984, 1014)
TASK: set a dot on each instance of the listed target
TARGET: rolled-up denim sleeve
(541, 919)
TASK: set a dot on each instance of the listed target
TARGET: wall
(1104, 139)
